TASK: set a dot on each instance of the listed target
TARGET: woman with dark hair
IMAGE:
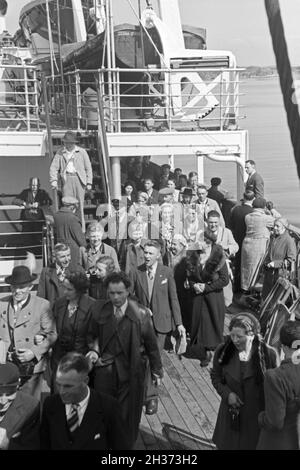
(207, 274)
(278, 421)
(72, 313)
(104, 265)
(238, 372)
(129, 193)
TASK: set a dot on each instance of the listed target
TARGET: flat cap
(165, 191)
(69, 201)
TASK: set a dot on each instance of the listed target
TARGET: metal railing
(19, 98)
(148, 99)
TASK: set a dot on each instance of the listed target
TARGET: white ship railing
(149, 99)
(19, 98)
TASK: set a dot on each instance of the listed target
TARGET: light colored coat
(34, 318)
(226, 240)
(81, 162)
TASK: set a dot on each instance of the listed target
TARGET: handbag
(234, 414)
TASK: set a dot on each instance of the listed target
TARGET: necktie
(150, 273)
(17, 308)
(119, 313)
(73, 420)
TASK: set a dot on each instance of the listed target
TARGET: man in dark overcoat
(68, 227)
(123, 339)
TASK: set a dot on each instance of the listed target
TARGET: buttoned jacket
(82, 165)
(34, 318)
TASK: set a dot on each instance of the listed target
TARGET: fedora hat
(9, 375)
(187, 192)
(70, 137)
(21, 275)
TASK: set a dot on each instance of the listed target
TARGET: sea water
(269, 146)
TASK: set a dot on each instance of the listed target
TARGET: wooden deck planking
(205, 411)
(191, 394)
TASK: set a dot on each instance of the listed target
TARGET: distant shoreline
(260, 77)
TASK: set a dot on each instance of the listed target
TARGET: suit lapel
(90, 421)
(60, 420)
(53, 276)
(158, 277)
(142, 275)
(109, 327)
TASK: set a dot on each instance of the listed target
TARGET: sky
(236, 25)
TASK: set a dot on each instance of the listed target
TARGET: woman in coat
(278, 421)
(255, 243)
(238, 372)
(281, 254)
(72, 314)
(207, 274)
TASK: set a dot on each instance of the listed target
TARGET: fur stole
(210, 270)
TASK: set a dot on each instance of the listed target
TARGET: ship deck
(187, 406)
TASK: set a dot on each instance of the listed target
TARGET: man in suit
(22, 317)
(205, 205)
(71, 165)
(33, 198)
(35, 203)
(254, 182)
(123, 341)
(77, 417)
(19, 412)
(238, 227)
(68, 227)
(96, 247)
(150, 170)
(151, 192)
(154, 286)
(51, 285)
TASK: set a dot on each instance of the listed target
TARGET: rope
(51, 48)
(285, 74)
(148, 35)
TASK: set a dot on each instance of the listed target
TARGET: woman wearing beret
(239, 367)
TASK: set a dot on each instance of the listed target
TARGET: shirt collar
(59, 269)
(81, 404)
(22, 303)
(154, 268)
(123, 308)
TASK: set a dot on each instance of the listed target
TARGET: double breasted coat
(127, 346)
